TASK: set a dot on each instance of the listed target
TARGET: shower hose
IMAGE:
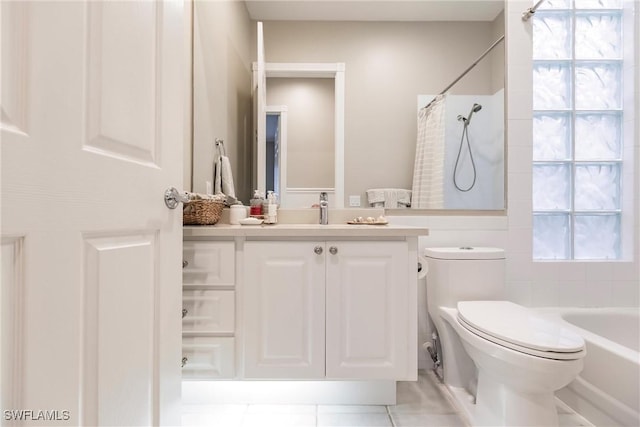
(465, 136)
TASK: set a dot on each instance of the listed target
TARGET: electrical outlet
(354, 201)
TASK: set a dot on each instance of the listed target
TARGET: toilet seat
(520, 329)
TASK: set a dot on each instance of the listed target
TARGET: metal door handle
(184, 361)
(173, 197)
(184, 312)
(333, 250)
(318, 250)
(185, 263)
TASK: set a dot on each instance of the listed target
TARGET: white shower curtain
(427, 191)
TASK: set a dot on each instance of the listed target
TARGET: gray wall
(222, 57)
(387, 65)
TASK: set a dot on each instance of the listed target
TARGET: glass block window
(577, 129)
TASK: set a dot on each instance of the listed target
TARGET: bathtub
(607, 391)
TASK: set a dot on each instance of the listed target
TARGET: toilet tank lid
(464, 252)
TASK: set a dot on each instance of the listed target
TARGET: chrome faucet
(324, 208)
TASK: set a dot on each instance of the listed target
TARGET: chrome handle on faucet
(173, 197)
(324, 208)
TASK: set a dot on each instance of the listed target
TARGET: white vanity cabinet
(208, 310)
(329, 310)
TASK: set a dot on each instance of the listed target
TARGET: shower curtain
(427, 191)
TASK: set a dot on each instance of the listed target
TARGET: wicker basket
(202, 212)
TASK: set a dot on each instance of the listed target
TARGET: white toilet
(502, 362)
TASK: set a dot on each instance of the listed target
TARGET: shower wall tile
(520, 214)
(545, 271)
(519, 187)
(519, 134)
(578, 283)
(598, 294)
(600, 271)
(519, 103)
(519, 158)
(572, 271)
(519, 265)
(625, 293)
(625, 271)
(519, 292)
(519, 76)
(630, 92)
(519, 46)
(571, 293)
(544, 294)
(519, 246)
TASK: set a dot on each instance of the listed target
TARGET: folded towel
(404, 197)
(227, 177)
(200, 196)
(389, 197)
(375, 196)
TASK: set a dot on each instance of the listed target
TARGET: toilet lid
(506, 322)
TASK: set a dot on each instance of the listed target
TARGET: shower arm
(464, 73)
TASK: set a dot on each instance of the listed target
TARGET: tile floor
(419, 404)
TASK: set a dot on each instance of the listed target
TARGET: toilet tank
(464, 274)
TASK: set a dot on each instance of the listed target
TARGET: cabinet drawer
(208, 311)
(208, 358)
(208, 264)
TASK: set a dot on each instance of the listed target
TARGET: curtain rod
(464, 73)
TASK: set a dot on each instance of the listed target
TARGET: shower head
(474, 109)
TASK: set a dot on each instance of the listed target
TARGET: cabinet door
(284, 310)
(367, 310)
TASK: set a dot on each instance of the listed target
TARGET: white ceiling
(374, 10)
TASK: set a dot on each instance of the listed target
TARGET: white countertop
(304, 230)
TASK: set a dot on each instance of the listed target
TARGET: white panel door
(92, 134)
(284, 310)
(367, 310)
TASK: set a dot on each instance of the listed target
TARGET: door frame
(281, 112)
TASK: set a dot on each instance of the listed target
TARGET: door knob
(173, 197)
(333, 250)
(318, 250)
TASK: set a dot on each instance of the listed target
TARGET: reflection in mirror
(393, 53)
(460, 165)
(307, 167)
(274, 147)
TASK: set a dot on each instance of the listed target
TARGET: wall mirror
(397, 55)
